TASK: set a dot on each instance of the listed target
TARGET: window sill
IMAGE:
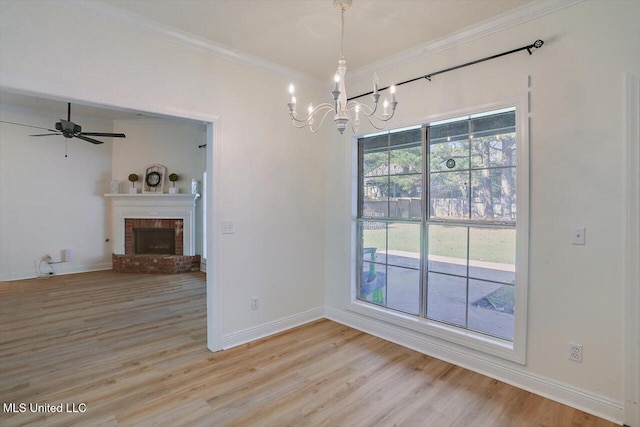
(480, 342)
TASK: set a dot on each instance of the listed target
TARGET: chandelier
(344, 110)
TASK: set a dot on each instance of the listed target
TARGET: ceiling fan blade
(91, 140)
(112, 135)
(68, 111)
(28, 126)
(47, 134)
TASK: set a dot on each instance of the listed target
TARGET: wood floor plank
(132, 347)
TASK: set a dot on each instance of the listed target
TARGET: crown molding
(118, 16)
(510, 19)
(490, 26)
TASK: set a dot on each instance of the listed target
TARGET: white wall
(172, 143)
(49, 202)
(291, 245)
(577, 173)
(268, 178)
(169, 142)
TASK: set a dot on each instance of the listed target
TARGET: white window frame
(511, 350)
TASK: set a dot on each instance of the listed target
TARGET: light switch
(227, 227)
(577, 236)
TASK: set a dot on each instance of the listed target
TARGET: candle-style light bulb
(291, 90)
(375, 82)
(310, 108)
(392, 89)
(336, 81)
(357, 112)
(385, 105)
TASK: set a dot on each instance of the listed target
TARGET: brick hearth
(161, 264)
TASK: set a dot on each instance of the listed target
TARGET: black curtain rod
(537, 44)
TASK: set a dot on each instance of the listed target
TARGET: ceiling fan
(68, 129)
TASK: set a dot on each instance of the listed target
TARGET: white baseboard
(60, 271)
(512, 374)
(254, 333)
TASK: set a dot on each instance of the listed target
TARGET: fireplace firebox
(161, 241)
(153, 236)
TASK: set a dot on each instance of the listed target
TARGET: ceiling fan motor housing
(68, 128)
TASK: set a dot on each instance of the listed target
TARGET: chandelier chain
(342, 34)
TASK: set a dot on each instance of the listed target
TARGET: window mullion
(360, 178)
(469, 185)
(466, 301)
(424, 246)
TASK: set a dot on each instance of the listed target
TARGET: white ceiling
(59, 107)
(304, 35)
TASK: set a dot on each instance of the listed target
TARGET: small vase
(173, 190)
(133, 190)
(194, 186)
(113, 187)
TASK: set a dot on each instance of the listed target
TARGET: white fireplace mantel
(161, 206)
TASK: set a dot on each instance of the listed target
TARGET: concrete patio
(397, 286)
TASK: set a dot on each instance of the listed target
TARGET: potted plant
(173, 178)
(133, 178)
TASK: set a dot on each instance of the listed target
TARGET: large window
(390, 212)
(437, 221)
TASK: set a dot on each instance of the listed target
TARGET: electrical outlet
(575, 352)
(228, 227)
(577, 236)
(65, 255)
(254, 303)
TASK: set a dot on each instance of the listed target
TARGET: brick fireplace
(136, 229)
(154, 233)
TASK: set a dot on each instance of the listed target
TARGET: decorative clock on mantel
(154, 179)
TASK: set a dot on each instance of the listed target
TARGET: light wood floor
(132, 348)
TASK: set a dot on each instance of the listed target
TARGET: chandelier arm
(308, 122)
(353, 104)
(383, 118)
(300, 126)
(294, 119)
(324, 116)
(366, 110)
(354, 128)
(381, 127)
(313, 112)
(372, 114)
(320, 107)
